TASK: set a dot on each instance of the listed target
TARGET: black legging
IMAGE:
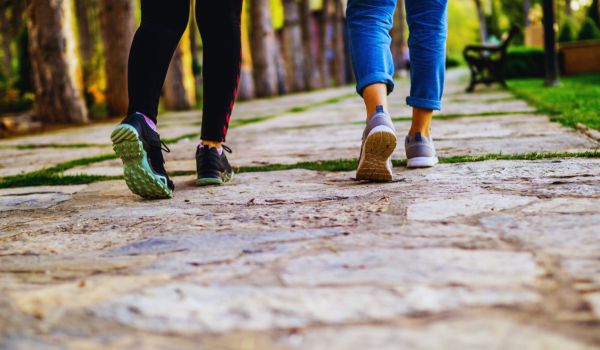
(163, 24)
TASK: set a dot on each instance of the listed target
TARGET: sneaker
(212, 166)
(420, 151)
(138, 145)
(379, 142)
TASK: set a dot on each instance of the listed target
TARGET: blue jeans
(369, 24)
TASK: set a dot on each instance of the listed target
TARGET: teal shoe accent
(139, 176)
(208, 181)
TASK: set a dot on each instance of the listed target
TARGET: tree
(399, 36)
(311, 75)
(87, 39)
(117, 25)
(53, 60)
(589, 30)
(264, 49)
(594, 12)
(246, 86)
(482, 23)
(325, 44)
(179, 88)
(6, 37)
(292, 46)
(339, 47)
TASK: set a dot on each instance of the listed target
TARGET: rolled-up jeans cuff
(375, 78)
(424, 103)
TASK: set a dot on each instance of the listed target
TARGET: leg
(163, 24)
(369, 24)
(427, 42)
(219, 25)
(428, 28)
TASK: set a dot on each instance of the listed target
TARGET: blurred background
(86, 42)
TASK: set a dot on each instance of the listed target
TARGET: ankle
(424, 131)
(211, 144)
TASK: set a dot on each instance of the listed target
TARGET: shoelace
(164, 147)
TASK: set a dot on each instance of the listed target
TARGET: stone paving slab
(509, 134)
(325, 252)
(474, 255)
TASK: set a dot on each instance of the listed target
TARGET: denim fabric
(369, 24)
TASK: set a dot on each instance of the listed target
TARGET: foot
(379, 142)
(138, 145)
(420, 151)
(212, 166)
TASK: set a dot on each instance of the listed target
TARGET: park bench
(486, 62)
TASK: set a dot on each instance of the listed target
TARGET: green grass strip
(50, 177)
(576, 100)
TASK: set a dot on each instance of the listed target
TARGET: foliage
(589, 30)
(576, 100)
(594, 12)
(568, 30)
(453, 61)
(462, 26)
(524, 62)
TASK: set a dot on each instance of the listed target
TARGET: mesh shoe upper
(211, 164)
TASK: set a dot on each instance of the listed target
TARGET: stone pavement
(495, 254)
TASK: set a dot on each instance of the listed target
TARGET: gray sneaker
(378, 144)
(420, 151)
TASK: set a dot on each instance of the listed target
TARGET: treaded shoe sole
(139, 176)
(375, 155)
(421, 162)
(208, 181)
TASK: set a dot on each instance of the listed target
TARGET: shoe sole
(375, 154)
(211, 181)
(421, 162)
(139, 176)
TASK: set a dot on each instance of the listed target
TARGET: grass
(576, 100)
(53, 176)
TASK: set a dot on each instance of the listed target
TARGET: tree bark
(482, 24)
(399, 37)
(325, 44)
(58, 98)
(526, 8)
(292, 46)
(6, 34)
(117, 25)
(246, 86)
(312, 77)
(339, 47)
(264, 49)
(179, 93)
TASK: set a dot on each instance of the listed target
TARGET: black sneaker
(212, 168)
(140, 148)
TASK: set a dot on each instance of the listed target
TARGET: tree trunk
(312, 77)
(58, 98)
(292, 46)
(526, 8)
(195, 52)
(6, 34)
(399, 37)
(482, 24)
(325, 44)
(246, 86)
(264, 49)
(179, 92)
(339, 57)
(117, 24)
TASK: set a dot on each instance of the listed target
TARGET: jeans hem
(423, 103)
(375, 78)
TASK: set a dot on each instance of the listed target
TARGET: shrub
(452, 61)
(524, 62)
(568, 31)
(589, 30)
